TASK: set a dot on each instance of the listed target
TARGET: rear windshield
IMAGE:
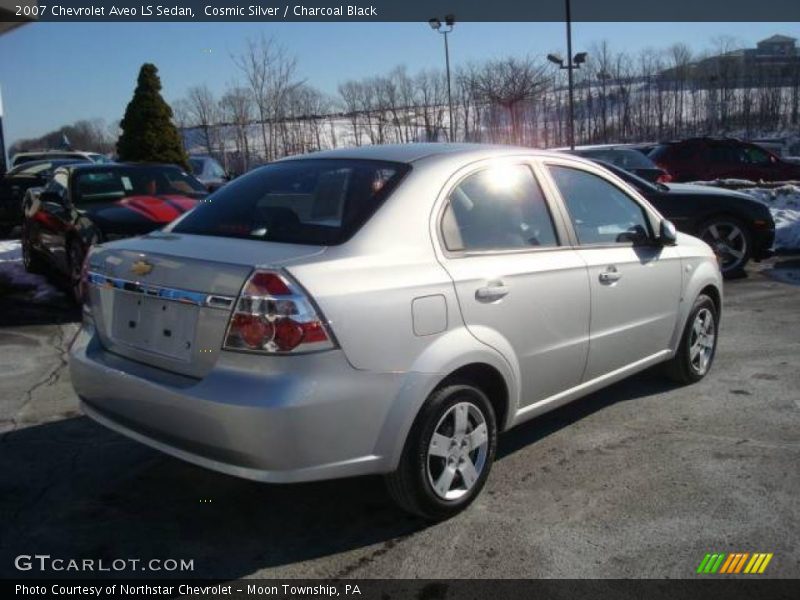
(627, 159)
(673, 152)
(117, 182)
(312, 201)
(197, 165)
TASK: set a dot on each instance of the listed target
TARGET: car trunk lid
(165, 299)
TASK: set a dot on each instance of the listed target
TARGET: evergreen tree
(148, 134)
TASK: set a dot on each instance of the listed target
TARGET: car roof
(56, 162)
(588, 148)
(89, 165)
(411, 153)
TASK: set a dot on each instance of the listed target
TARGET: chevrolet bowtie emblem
(141, 267)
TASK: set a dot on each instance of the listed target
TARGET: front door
(635, 282)
(519, 289)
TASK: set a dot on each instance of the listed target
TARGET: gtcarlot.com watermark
(45, 563)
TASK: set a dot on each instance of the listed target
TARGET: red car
(85, 204)
(705, 159)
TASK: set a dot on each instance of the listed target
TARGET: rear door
(521, 289)
(635, 283)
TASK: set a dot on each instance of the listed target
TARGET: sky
(53, 74)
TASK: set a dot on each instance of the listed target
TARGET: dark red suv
(698, 159)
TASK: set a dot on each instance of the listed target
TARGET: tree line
(268, 110)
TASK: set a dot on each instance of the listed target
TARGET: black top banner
(400, 10)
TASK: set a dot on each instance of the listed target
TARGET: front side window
(499, 208)
(309, 201)
(601, 213)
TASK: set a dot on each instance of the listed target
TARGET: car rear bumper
(249, 417)
(762, 243)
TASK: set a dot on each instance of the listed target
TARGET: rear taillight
(664, 177)
(274, 316)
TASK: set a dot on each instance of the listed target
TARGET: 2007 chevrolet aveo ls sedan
(389, 310)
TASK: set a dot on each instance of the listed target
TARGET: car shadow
(75, 489)
(646, 383)
(785, 268)
(20, 306)
(72, 489)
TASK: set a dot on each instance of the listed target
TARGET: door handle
(610, 275)
(491, 292)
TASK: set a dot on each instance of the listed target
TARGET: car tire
(433, 479)
(75, 256)
(31, 260)
(698, 344)
(716, 231)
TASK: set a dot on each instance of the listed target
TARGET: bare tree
(237, 108)
(269, 71)
(203, 111)
(510, 82)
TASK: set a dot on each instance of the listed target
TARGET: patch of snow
(10, 250)
(13, 274)
(784, 204)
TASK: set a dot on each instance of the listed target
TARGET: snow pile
(14, 275)
(784, 204)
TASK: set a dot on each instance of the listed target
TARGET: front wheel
(448, 454)
(30, 259)
(698, 344)
(75, 256)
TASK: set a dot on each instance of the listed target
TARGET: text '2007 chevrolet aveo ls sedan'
(387, 310)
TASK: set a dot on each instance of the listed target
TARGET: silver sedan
(389, 310)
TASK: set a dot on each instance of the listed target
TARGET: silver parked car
(388, 309)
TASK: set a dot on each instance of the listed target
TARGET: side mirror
(667, 234)
(637, 236)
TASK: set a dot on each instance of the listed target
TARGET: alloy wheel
(457, 451)
(729, 242)
(701, 341)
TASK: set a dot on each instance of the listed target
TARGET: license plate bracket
(155, 325)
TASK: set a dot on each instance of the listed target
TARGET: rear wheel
(731, 241)
(698, 344)
(448, 453)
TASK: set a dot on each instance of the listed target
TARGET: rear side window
(500, 208)
(601, 213)
(754, 155)
(318, 202)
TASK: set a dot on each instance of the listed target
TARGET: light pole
(573, 62)
(436, 25)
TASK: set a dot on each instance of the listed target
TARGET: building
(774, 61)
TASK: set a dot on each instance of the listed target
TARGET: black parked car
(736, 226)
(19, 180)
(626, 157)
(86, 204)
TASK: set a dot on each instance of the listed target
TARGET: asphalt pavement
(639, 480)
